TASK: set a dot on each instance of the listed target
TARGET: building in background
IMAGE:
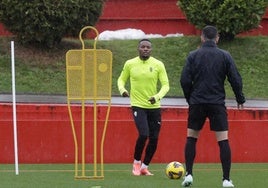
(157, 17)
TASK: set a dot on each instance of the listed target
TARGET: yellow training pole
(95, 104)
(83, 114)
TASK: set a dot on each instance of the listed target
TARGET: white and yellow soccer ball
(175, 170)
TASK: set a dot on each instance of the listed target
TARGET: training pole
(14, 109)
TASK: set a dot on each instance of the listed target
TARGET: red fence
(45, 135)
(157, 17)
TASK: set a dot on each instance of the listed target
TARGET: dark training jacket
(204, 73)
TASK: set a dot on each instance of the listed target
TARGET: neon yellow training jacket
(144, 76)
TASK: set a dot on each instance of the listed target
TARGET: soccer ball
(175, 170)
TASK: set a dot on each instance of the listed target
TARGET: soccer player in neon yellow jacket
(144, 72)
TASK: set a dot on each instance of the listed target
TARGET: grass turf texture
(40, 71)
(244, 175)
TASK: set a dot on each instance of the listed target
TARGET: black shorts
(147, 121)
(216, 114)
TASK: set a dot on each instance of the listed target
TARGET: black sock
(190, 151)
(140, 144)
(150, 150)
(225, 156)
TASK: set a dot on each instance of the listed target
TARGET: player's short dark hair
(210, 32)
(144, 39)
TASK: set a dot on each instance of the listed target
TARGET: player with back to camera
(202, 81)
(144, 72)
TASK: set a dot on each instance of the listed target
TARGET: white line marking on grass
(155, 170)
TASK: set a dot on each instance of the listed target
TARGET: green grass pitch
(244, 175)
